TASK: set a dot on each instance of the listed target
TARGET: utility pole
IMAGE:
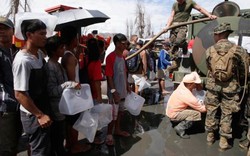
(25, 4)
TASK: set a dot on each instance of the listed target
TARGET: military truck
(227, 12)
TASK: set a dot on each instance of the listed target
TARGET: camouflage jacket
(233, 85)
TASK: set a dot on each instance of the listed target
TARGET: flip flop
(123, 134)
(109, 140)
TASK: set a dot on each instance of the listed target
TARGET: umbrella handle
(164, 31)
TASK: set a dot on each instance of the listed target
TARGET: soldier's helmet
(222, 28)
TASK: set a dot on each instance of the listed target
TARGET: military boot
(182, 127)
(244, 144)
(224, 144)
(210, 138)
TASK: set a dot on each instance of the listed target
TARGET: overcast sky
(120, 11)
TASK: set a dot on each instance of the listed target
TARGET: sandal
(109, 140)
(122, 133)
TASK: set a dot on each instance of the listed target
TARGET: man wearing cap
(183, 108)
(10, 122)
(223, 87)
(163, 63)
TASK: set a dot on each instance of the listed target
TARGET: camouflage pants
(178, 37)
(224, 101)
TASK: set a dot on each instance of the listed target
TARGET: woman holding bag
(57, 82)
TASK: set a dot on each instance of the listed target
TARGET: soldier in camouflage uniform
(180, 13)
(223, 95)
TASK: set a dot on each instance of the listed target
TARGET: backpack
(150, 61)
(133, 64)
(222, 64)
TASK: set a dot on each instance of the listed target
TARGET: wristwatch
(113, 90)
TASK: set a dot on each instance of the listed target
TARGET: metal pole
(25, 3)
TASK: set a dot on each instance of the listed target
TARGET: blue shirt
(163, 60)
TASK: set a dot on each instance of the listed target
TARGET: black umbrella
(79, 18)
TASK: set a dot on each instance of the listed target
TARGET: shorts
(39, 138)
(161, 74)
(117, 108)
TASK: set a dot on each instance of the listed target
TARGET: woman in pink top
(183, 106)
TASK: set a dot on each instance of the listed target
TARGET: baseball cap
(222, 28)
(6, 21)
(192, 78)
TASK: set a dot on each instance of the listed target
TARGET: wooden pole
(164, 31)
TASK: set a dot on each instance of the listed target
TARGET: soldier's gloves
(69, 84)
(235, 108)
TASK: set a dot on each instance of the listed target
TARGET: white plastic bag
(87, 125)
(74, 101)
(143, 84)
(104, 112)
(134, 103)
(136, 79)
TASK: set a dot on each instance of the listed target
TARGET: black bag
(150, 61)
(133, 64)
(151, 96)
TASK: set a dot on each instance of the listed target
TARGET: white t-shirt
(22, 65)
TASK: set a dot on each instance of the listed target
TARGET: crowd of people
(37, 85)
(30, 94)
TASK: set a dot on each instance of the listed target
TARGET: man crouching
(183, 107)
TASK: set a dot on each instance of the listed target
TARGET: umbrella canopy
(49, 20)
(79, 17)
